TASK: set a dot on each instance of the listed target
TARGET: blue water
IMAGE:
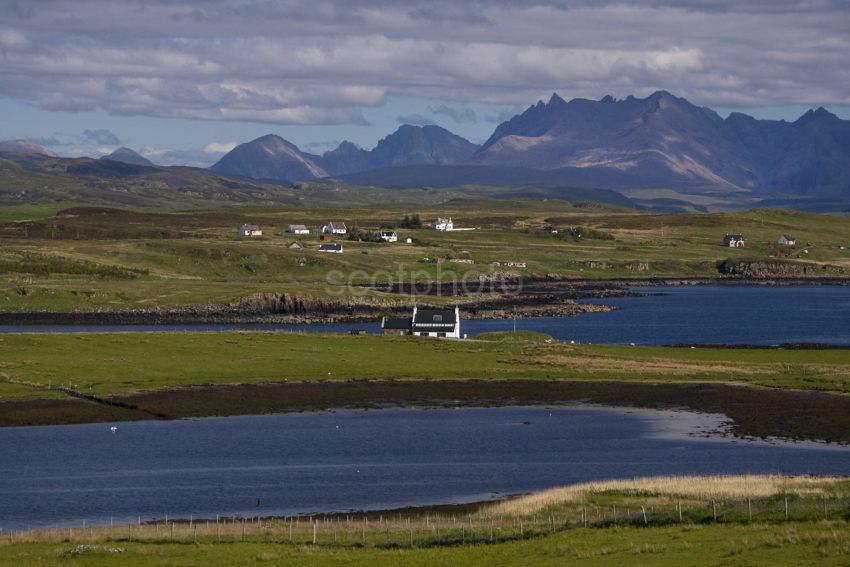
(306, 463)
(759, 315)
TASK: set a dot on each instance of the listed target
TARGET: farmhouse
(389, 236)
(787, 240)
(335, 228)
(298, 229)
(443, 224)
(250, 230)
(295, 245)
(550, 230)
(334, 248)
(515, 264)
(425, 323)
(733, 241)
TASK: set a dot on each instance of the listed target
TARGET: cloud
(190, 157)
(414, 119)
(101, 136)
(458, 115)
(322, 62)
(321, 147)
(220, 147)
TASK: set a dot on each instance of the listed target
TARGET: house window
(441, 334)
(438, 318)
(423, 334)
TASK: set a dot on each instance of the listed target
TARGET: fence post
(315, 529)
(786, 508)
(714, 509)
(750, 509)
(679, 506)
(642, 509)
(825, 515)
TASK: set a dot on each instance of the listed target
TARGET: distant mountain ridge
(660, 141)
(24, 147)
(272, 157)
(126, 155)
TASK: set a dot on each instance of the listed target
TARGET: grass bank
(667, 521)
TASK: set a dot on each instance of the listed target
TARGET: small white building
(733, 241)
(444, 224)
(332, 248)
(389, 236)
(249, 230)
(298, 229)
(787, 240)
(335, 228)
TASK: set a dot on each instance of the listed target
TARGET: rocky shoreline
(549, 295)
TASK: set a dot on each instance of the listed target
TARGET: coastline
(759, 413)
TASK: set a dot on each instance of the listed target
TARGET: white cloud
(220, 147)
(320, 62)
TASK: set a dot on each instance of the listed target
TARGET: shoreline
(548, 296)
(757, 413)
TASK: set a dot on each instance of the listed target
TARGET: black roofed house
(425, 323)
(733, 241)
(335, 248)
(436, 322)
(787, 240)
(395, 325)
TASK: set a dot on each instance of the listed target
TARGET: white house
(389, 236)
(444, 224)
(425, 323)
(298, 229)
(733, 241)
(335, 228)
(250, 230)
(333, 248)
(787, 240)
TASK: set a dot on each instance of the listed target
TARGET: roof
(434, 319)
(296, 244)
(249, 227)
(401, 323)
(734, 236)
(298, 227)
(387, 232)
(788, 237)
(337, 224)
(330, 246)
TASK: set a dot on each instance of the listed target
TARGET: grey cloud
(319, 62)
(414, 119)
(102, 137)
(458, 115)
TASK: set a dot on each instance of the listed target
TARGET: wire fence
(439, 529)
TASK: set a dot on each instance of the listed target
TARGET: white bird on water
(113, 429)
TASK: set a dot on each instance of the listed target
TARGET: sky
(184, 81)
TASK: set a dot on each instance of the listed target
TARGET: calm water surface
(758, 315)
(312, 462)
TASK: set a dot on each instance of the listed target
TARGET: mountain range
(126, 155)
(661, 141)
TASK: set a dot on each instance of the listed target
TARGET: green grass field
(123, 363)
(63, 263)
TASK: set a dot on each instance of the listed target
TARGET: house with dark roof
(733, 241)
(298, 229)
(250, 230)
(395, 325)
(335, 227)
(334, 248)
(787, 240)
(425, 323)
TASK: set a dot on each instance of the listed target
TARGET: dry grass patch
(699, 487)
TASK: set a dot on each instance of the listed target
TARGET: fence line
(433, 529)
